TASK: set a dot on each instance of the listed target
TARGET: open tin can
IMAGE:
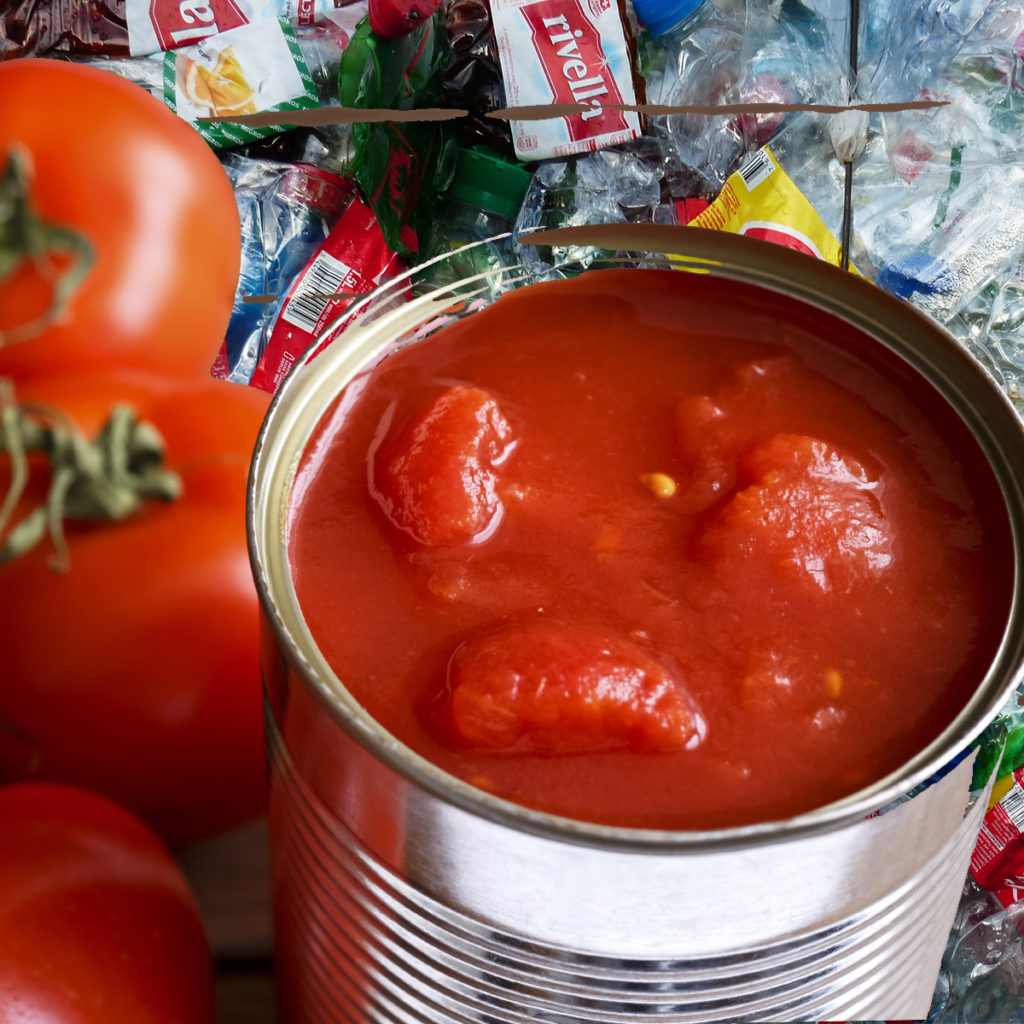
(402, 894)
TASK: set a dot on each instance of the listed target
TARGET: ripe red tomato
(111, 162)
(97, 922)
(135, 672)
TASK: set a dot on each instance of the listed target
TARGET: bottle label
(160, 25)
(352, 261)
(246, 70)
(181, 22)
(566, 52)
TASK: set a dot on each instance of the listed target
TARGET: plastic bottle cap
(661, 16)
(491, 182)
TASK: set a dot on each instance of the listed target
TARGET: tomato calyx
(26, 238)
(106, 479)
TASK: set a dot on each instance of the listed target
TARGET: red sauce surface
(652, 549)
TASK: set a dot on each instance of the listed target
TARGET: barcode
(316, 289)
(1012, 802)
(756, 169)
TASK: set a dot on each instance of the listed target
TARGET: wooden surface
(230, 876)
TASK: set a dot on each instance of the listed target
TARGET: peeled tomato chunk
(562, 688)
(437, 480)
(809, 509)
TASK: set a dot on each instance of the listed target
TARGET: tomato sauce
(653, 550)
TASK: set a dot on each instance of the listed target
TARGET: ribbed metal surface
(357, 943)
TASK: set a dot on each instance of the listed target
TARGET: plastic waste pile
(921, 194)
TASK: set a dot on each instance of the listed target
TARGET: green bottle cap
(486, 179)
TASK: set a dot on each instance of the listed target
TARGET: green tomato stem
(26, 238)
(107, 479)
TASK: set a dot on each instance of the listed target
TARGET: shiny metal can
(403, 895)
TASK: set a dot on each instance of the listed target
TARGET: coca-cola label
(184, 22)
(574, 63)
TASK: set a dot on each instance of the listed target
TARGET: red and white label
(566, 52)
(576, 69)
(353, 260)
(160, 25)
(184, 22)
(997, 862)
(781, 234)
(998, 855)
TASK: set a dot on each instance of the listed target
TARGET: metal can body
(403, 895)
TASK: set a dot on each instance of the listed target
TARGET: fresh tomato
(109, 162)
(97, 922)
(135, 672)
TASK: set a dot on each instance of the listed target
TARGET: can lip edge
(777, 267)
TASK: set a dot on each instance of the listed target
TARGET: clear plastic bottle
(486, 193)
(286, 211)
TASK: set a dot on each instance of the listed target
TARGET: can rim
(962, 382)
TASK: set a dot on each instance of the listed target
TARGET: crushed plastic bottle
(473, 79)
(286, 211)
(938, 239)
(482, 205)
(788, 57)
(982, 974)
(699, 69)
(1004, 331)
(629, 183)
(903, 44)
(402, 167)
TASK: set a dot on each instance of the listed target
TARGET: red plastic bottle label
(998, 857)
(352, 261)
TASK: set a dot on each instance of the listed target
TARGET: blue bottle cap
(660, 16)
(917, 273)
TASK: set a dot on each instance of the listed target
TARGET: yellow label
(1000, 788)
(760, 200)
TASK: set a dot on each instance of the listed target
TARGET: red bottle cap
(391, 19)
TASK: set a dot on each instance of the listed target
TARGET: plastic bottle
(609, 186)
(696, 62)
(484, 199)
(473, 79)
(402, 167)
(285, 211)
(392, 19)
(667, 17)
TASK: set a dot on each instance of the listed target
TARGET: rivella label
(566, 52)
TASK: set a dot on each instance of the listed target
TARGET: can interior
(955, 378)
